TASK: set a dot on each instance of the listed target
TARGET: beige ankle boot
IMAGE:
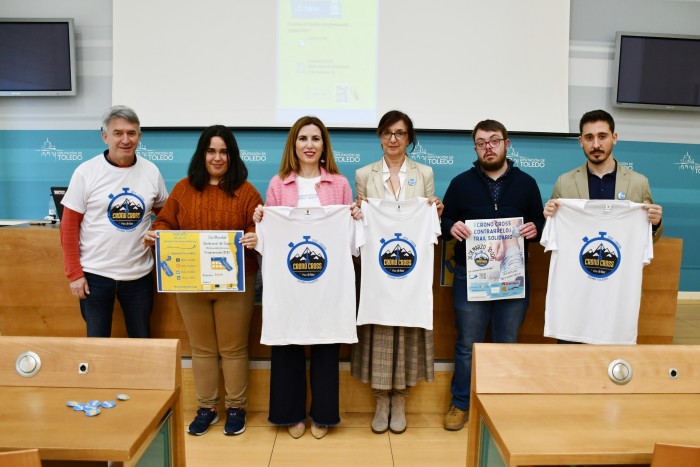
(398, 413)
(381, 415)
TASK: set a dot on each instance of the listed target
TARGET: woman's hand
(435, 200)
(249, 240)
(149, 239)
(258, 214)
(355, 211)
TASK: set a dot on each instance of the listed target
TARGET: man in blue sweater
(492, 189)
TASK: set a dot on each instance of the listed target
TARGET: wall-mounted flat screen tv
(37, 57)
(657, 71)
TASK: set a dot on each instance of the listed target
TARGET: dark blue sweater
(469, 197)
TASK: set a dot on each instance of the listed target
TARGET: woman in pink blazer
(308, 177)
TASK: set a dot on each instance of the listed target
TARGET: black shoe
(204, 418)
(235, 421)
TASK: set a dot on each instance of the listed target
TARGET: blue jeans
(135, 298)
(472, 319)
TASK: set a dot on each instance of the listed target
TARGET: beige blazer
(635, 186)
(369, 181)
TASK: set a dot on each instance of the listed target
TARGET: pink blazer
(332, 189)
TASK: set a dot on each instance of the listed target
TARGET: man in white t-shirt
(107, 210)
(602, 176)
(599, 248)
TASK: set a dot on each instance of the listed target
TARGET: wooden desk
(588, 429)
(555, 405)
(34, 414)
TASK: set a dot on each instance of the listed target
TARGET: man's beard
(492, 166)
(597, 158)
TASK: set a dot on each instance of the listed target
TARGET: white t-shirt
(308, 275)
(308, 196)
(116, 204)
(397, 263)
(599, 248)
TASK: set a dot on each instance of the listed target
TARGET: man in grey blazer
(602, 177)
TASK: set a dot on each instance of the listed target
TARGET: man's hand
(654, 213)
(460, 231)
(79, 288)
(550, 207)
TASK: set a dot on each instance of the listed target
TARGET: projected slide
(327, 60)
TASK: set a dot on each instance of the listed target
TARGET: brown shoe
(296, 431)
(456, 418)
(318, 431)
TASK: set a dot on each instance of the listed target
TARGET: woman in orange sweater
(216, 196)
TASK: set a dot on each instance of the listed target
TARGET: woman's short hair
(394, 116)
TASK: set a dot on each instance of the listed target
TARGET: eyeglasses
(401, 134)
(493, 142)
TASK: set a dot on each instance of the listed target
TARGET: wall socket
(83, 368)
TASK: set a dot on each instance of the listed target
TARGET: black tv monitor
(657, 71)
(58, 192)
(37, 57)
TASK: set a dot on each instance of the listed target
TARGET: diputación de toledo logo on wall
(420, 154)
(154, 156)
(347, 157)
(48, 149)
(524, 162)
(253, 156)
(307, 260)
(687, 164)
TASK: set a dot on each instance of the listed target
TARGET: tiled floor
(425, 442)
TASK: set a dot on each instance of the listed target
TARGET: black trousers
(288, 384)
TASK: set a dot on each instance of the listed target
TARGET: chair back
(674, 455)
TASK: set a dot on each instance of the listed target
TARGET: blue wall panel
(31, 161)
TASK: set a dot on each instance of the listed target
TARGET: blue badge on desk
(78, 407)
(92, 412)
(72, 403)
(108, 404)
(95, 403)
(122, 397)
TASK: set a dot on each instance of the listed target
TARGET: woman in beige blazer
(390, 358)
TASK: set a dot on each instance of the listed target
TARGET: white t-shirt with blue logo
(397, 263)
(308, 274)
(599, 248)
(116, 203)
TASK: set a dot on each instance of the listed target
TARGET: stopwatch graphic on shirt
(126, 210)
(307, 260)
(600, 256)
(397, 256)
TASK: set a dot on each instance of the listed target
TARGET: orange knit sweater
(211, 209)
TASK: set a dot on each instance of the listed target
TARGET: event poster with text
(200, 261)
(495, 259)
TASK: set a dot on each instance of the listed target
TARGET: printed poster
(495, 259)
(200, 261)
